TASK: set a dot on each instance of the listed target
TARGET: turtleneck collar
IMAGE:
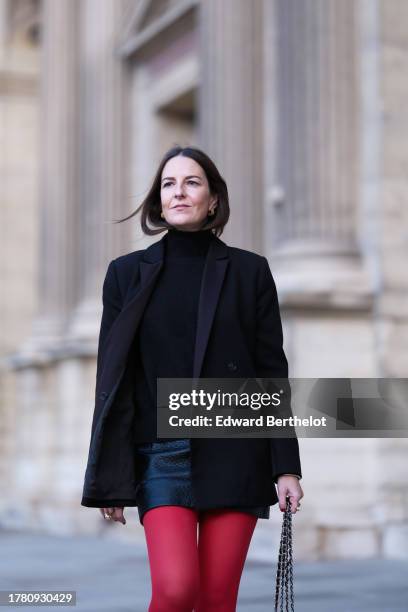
(181, 243)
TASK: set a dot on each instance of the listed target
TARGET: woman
(188, 306)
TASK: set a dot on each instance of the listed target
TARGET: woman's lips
(181, 207)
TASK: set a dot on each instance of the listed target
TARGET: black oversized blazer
(239, 334)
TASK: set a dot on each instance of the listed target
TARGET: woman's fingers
(289, 486)
(106, 512)
(116, 514)
(294, 503)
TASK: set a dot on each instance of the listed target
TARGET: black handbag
(284, 598)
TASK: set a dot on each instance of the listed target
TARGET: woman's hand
(289, 485)
(116, 514)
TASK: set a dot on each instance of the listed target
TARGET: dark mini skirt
(166, 478)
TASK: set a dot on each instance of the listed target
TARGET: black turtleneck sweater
(167, 330)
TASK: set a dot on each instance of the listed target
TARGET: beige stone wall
(393, 299)
(392, 313)
(19, 168)
(19, 210)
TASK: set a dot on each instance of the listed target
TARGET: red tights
(187, 575)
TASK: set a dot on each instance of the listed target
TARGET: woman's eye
(193, 182)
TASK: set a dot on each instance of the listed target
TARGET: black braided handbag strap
(284, 598)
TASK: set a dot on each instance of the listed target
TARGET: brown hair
(151, 205)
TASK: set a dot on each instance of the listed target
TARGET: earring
(161, 214)
(211, 212)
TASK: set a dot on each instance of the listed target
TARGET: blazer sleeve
(271, 362)
(112, 305)
(111, 301)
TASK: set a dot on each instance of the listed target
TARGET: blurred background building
(302, 104)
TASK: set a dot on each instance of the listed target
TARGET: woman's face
(185, 194)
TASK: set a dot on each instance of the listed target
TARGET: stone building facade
(302, 105)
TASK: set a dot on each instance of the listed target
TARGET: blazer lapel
(122, 332)
(213, 275)
(147, 271)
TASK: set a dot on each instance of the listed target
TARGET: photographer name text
(260, 421)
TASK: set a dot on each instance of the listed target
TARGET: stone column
(59, 171)
(3, 30)
(102, 158)
(317, 137)
(315, 180)
(230, 109)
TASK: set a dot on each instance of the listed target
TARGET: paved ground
(113, 576)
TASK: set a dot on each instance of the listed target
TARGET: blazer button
(103, 395)
(232, 366)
